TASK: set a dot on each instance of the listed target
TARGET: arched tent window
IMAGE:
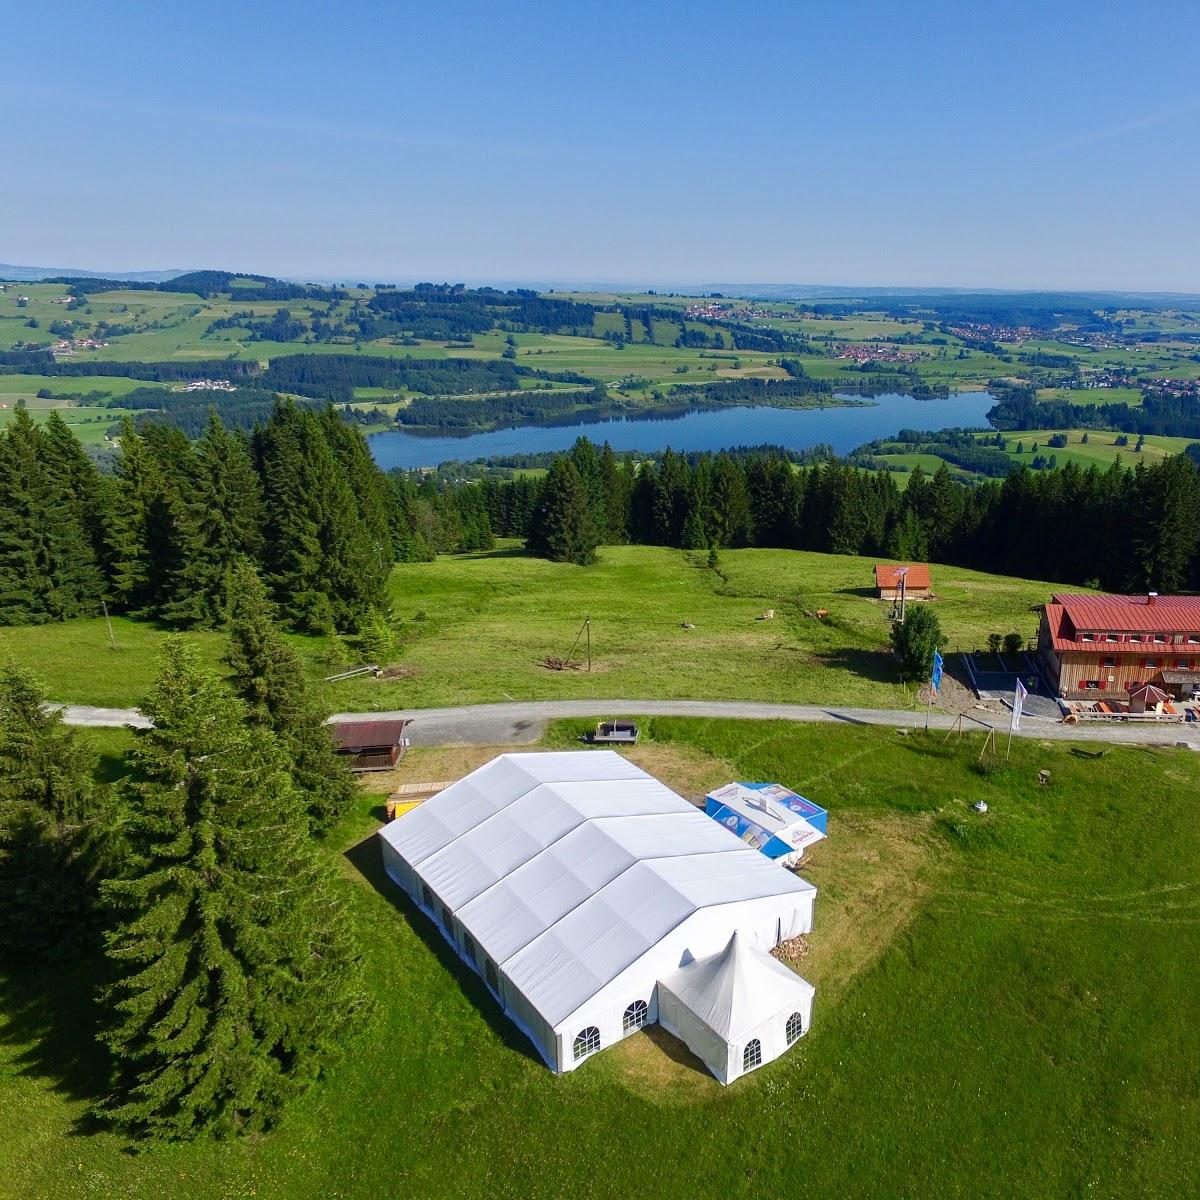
(587, 1041)
(447, 920)
(752, 1055)
(635, 1016)
(795, 1027)
(426, 896)
(489, 973)
(469, 948)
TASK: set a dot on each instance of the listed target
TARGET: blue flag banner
(935, 680)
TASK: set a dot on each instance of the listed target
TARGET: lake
(711, 429)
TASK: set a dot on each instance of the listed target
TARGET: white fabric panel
(733, 876)
(737, 990)
(543, 890)
(677, 1019)
(585, 880)
(449, 814)
(730, 998)
(593, 943)
(498, 845)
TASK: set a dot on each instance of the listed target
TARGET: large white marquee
(574, 882)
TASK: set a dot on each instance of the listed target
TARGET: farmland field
(999, 997)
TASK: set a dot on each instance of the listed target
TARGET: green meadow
(1006, 1005)
(477, 628)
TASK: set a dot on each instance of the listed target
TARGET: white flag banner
(1019, 694)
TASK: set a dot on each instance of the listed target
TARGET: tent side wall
(514, 1005)
(763, 921)
(679, 1020)
(398, 870)
(771, 1035)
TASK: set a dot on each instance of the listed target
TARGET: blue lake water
(713, 429)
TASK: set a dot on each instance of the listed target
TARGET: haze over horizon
(849, 145)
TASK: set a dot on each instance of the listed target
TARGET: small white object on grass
(980, 806)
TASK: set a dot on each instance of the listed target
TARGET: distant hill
(33, 274)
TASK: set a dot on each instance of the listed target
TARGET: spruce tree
(47, 569)
(237, 969)
(220, 518)
(52, 827)
(325, 560)
(564, 527)
(269, 678)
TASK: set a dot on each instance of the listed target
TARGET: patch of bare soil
(553, 663)
(399, 671)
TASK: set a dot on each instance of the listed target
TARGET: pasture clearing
(476, 628)
(1005, 1005)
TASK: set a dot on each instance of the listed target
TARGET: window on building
(1182, 664)
(427, 896)
(795, 1027)
(489, 973)
(1111, 637)
(587, 1041)
(1086, 637)
(1160, 639)
(1151, 662)
(1110, 662)
(1193, 639)
(1091, 685)
(752, 1055)
(447, 920)
(635, 1016)
(469, 949)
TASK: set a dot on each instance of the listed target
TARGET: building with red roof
(1094, 646)
(370, 745)
(917, 583)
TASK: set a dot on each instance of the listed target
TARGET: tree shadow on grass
(49, 1014)
(366, 859)
(867, 593)
(875, 665)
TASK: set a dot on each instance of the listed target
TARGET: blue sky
(1006, 145)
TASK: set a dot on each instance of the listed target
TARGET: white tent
(573, 882)
(737, 1009)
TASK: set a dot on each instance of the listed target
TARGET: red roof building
(917, 582)
(370, 745)
(1091, 645)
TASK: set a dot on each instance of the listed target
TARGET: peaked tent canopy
(737, 1009)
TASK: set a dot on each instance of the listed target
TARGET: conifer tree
(220, 517)
(269, 678)
(563, 527)
(237, 967)
(47, 569)
(52, 827)
(325, 561)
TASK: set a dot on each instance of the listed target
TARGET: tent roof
(1148, 692)
(566, 867)
(738, 989)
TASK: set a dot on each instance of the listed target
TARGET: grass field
(476, 628)
(1006, 1006)
(1100, 450)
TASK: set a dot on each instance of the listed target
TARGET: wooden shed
(371, 745)
(915, 578)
